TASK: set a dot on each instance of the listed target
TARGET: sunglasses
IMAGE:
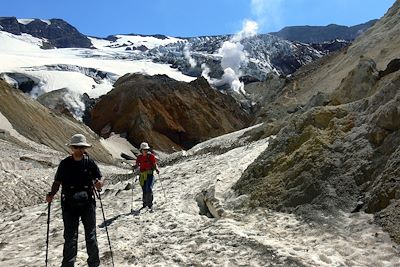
(78, 147)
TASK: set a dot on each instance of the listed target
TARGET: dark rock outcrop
(166, 113)
(393, 66)
(11, 25)
(58, 32)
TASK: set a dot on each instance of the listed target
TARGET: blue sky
(187, 18)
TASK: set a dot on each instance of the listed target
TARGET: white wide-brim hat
(78, 140)
(144, 145)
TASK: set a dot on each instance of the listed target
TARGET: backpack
(77, 199)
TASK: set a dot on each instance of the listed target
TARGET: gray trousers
(71, 224)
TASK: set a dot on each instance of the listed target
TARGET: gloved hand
(49, 197)
(98, 184)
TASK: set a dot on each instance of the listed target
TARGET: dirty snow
(177, 235)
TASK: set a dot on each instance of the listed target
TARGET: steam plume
(234, 56)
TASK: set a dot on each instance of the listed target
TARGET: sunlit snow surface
(176, 235)
(133, 41)
(22, 54)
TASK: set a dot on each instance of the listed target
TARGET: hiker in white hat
(79, 175)
(147, 164)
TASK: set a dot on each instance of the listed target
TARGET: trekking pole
(134, 172)
(159, 178)
(133, 187)
(48, 231)
(132, 199)
(97, 193)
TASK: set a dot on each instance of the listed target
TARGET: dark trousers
(71, 224)
(147, 189)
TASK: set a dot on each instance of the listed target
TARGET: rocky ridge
(320, 34)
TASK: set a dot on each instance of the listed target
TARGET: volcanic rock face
(338, 133)
(166, 113)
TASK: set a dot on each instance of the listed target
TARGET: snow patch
(27, 21)
(15, 44)
(116, 145)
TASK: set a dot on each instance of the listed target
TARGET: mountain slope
(37, 123)
(338, 134)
